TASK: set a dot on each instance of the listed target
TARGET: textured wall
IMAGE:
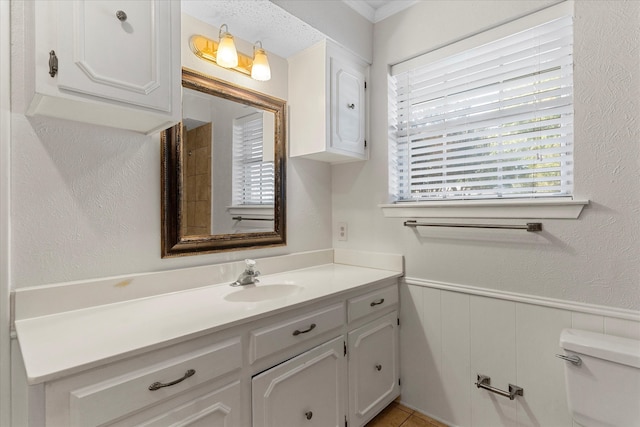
(594, 259)
(86, 199)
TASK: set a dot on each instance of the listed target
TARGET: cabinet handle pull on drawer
(158, 385)
(298, 331)
(377, 302)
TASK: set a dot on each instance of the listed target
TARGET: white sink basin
(260, 292)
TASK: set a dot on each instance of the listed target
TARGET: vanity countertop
(60, 344)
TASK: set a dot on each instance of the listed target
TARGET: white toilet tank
(604, 390)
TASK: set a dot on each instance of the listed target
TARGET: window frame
(521, 207)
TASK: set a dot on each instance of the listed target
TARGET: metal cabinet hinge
(53, 63)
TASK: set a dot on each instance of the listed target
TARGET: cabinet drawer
(372, 302)
(279, 336)
(111, 399)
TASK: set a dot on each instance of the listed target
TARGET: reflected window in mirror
(253, 172)
(223, 170)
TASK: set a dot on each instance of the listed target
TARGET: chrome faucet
(249, 275)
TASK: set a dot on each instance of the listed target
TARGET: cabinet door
(347, 107)
(373, 368)
(128, 60)
(308, 390)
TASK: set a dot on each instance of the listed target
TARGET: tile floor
(397, 415)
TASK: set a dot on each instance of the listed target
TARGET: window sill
(564, 208)
(260, 211)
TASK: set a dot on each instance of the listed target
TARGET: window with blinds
(253, 178)
(487, 122)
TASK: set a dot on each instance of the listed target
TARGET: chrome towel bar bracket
(485, 383)
(530, 226)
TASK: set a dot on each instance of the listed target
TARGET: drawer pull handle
(158, 385)
(377, 302)
(308, 414)
(378, 367)
(298, 331)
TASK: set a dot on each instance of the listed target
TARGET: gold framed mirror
(223, 170)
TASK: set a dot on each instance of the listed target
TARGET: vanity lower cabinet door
(308, 390)
(373, 368)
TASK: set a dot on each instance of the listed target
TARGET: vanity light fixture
(227, 55)
(212, 51)
(260, 69)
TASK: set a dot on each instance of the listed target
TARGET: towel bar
(485, 381)
(530, 226)
(244, 218)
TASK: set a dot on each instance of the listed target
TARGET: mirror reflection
(228, 149)
(223, 170)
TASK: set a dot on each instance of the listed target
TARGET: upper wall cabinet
(328, 104)
(114, 63)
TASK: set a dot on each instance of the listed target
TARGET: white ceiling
(254, 20)
(377, 10)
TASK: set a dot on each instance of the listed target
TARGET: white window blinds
(491, 121)
(253, 178)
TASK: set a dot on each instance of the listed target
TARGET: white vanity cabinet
(323, 361)
(308, 390)
(328, 104)
(107, 62)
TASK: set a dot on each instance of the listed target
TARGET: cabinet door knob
(351, 106)
(308, 414)
(121, 15)
(378, 367)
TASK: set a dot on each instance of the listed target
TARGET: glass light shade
(227, 55)
(260, 69)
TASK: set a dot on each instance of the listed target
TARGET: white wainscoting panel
(622, 328)
(539, 371)
(413, 341)
(456, 358)
(587, 322)
(450, 333)
(493, 343)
